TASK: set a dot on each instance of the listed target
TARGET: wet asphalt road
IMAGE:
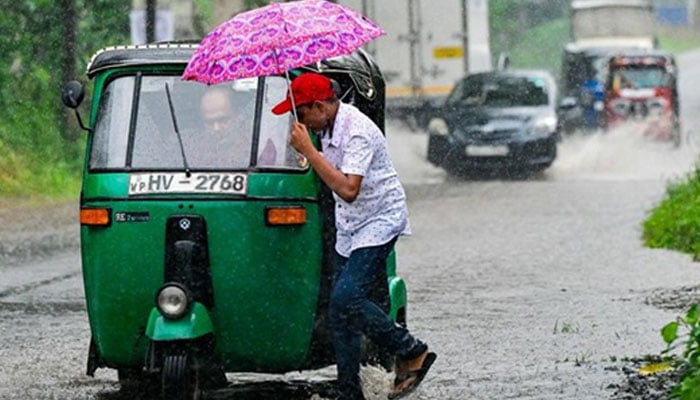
(527, 289)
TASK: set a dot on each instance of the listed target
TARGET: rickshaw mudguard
(194, 324)
(397, 289)
(397, 296)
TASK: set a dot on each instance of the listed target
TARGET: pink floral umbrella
(273, 39)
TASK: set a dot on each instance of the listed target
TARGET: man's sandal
(417, 376)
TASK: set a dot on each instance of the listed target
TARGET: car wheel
(437, 149)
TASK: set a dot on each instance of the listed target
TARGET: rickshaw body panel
(265, 278)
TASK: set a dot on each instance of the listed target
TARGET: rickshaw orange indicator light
(292, 215)
(95, 216)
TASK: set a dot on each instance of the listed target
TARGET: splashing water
(622, 153)
(376, 383)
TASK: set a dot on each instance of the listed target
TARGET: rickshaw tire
(179, 380)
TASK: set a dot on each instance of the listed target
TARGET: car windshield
(639, 77)
(499, 92)
(134, 128)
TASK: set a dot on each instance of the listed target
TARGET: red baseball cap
(306, 88)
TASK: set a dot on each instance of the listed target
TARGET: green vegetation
(541, 47)
(678, 40)
(689, 363)
(675, 222)
(50, 43)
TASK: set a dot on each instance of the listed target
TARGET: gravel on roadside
(656, 386)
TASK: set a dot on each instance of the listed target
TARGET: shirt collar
(334, 140)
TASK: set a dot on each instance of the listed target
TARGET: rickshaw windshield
(134, 127)
(640, 77)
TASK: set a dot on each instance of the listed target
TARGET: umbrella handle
(291, 96)
(301, 159)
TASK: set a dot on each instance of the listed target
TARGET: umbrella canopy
(276, 38)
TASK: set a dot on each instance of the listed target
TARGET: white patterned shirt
(379, 213)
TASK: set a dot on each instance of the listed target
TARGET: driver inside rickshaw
(223, 116)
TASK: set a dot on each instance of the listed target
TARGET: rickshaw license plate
(154, 183)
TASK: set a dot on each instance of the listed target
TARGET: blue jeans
(352, 314)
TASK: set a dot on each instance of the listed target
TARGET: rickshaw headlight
(172, 301)
(657, 105)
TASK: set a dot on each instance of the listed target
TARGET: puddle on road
(307, 385)
(622, 154)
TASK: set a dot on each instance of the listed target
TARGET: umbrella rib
(286, 71)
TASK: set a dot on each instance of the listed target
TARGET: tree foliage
(509, 19)
(33, 129)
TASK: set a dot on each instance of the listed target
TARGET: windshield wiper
(177, 131)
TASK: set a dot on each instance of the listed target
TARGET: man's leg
(352, 314)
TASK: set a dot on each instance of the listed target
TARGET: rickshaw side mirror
(72, 94)
(336, 88)
(568, 103)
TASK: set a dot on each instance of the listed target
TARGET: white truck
(613, 23)
(423, 53)
(599, 29)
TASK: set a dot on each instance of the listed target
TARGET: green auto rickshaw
(196, 263)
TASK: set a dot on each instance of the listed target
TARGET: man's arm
(345, 186)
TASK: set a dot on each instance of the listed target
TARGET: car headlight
(544, 126)
(657, 105)
(438, 126)
(172, 301)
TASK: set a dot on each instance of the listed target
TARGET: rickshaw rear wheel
(180, 380)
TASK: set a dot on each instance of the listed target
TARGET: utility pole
(465, 36)
(151, 21)
(414, 32)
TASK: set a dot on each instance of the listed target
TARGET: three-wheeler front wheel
(180, 379)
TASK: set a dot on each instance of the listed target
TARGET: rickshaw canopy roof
(361, 69)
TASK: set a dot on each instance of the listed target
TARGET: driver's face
(216, 112)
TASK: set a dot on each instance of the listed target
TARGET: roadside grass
(38, 166)
(675, 222)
